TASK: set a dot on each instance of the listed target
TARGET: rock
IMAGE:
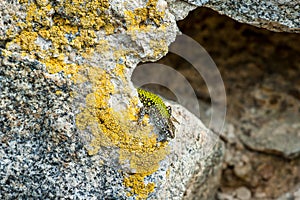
(243, 72)
(8, 10)
(242, 170)
(69, 109)
(224, 196)
(297, 193)
(180, 9)
(260, 195)
(276, 137)
(41, 153)
(266, 171)
(274, 126)
(57, 155)
(273, 15)
(192, 179)
(292, 194)
(243, 193)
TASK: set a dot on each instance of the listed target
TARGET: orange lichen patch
(5, 53)
(142, 17)
(136, 182)
(59, 33)
(109, 29)
(102, 46)
(145, 154)
(97, 114)
(88, 14)
(56, 34)
(42, 2)
(86, 39)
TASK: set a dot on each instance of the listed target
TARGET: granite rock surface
(69, 110)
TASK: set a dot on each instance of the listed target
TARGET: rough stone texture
(68, 107)
(29, 99)
(6, 20)
(41, 154)
(201, 187)
(39, 104)
(252, 61)
(274, 15)
(201, 180)
(263, 104)
(243, 193)
(180, 9)
(54, 153)
(281, 135)
(293, 194)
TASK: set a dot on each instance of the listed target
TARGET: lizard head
(168, 130)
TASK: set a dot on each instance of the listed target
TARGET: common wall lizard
(159, 114)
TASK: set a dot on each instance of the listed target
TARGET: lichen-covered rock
(69, 110)
(41, 154)
(39, 141)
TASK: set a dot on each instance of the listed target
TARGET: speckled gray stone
(42, 152)
(41, 155)
(9, 13)
(196, 159)
(274, 15)
(180, 9)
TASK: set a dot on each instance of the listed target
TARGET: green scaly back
(149, 99)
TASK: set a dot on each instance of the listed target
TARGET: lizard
(159, 114)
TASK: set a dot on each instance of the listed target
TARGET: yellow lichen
(143, 17)
(117, 129)
(159, 47)
(132, 109)
(59, 31)
(119, 71)
(55, 65)
(168, 173)
(136, 182)
(102, 46)
(75, 32)
(26, 40)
